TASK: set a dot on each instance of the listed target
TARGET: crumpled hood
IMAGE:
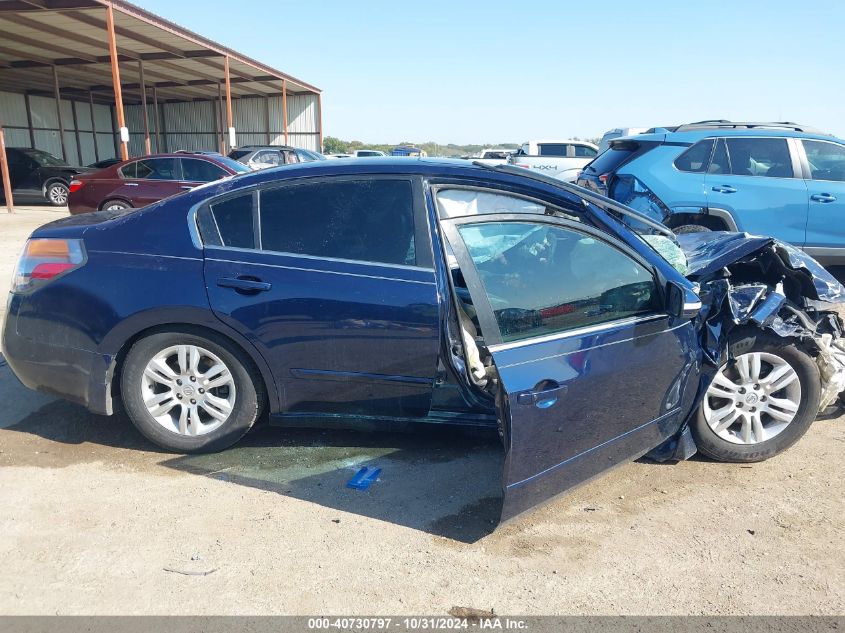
(709, 253)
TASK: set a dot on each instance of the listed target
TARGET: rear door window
(363, 220)
(696, 158)
(554, 149)
(610, 159)
(767, 157)
(720, 163)
(152, 169)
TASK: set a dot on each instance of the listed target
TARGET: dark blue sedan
(397, 290)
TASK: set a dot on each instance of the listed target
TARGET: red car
(142, 181)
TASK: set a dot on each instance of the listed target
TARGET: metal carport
(92, 79)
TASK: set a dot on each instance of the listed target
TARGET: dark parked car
(142, 181)
(37, 176)
(264, 156)
(389, 290)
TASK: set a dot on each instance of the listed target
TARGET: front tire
(759, 404)
(191, 393)
(56, 194)
(691, 228)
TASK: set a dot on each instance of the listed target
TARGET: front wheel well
(106, 202)
(114, 377)
(53, 181)
(711, 222)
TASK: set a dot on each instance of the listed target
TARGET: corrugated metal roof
(71, 34)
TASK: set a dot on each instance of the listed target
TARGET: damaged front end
(752, 281)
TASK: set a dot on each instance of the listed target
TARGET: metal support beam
(267, 118)
(93, 126)
(115, 76)
(220, 122)
(58, 97)
(76, 131)
(4, 171)
(320, 119)
(29, 120)
(285, 109)
(157, 120)
(229, 118)
(147, 144)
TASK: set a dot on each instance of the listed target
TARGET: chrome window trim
(328, 272)
(582, 331)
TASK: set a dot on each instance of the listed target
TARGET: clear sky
(487, 71)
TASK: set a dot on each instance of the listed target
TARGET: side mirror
(682, 302)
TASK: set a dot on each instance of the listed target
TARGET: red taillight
(45, 259)
(522, 165)
(75, 185)
(603, 178)
(50, 270)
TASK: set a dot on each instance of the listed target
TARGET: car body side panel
(341, 336)
(675, 188)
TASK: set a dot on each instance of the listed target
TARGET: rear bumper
(73, 374)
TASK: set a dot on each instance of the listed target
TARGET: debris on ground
(470, 614)
(185, 572)
(364, 478)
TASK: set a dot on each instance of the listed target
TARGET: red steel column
(4, 168)
(147, 144)
(229, 120)
(115, 77)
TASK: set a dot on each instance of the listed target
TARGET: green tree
(333, 145)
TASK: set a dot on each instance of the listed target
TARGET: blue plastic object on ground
(363, 478)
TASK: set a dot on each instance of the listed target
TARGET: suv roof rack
(749, 125)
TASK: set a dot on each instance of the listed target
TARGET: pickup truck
(559, 159)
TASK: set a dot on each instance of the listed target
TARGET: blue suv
(778, 179)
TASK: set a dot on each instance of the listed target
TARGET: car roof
(694, 132)
(253, 147)
(564, 140)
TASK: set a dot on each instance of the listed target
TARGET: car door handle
(823, 197)
(188, 187)
(244, 285)
(724, 189)
(131, 184)
(541, 398)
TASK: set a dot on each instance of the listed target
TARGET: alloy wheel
(752, 399)
(188, 390)
(57, 194)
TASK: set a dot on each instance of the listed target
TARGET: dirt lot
(92, 517)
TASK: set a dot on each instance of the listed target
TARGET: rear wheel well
(711, 222)
(106, 202)
(184, 328)
(53, 181)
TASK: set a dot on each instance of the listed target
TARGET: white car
(367, 153)
(559, 159)
(492, 156)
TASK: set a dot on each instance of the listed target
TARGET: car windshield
(235, 166)
(44, 159)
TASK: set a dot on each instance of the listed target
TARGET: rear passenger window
(582, 151)
(366, 220)
(198, 170)
(720, 163)
(696, 157)
(553, 149)
(230, 223)
(767, 157)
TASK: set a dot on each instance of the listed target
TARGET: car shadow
(443, 481)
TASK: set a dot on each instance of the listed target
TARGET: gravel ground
(95, 520)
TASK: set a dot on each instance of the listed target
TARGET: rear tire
(191, 392)
(114, 205)
(785, 405)
(56, 194)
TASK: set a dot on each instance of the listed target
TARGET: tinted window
(612, 158)
(367, 220)
(826, 160)
(196, 170)
(270, 157)
(151, 169)
(696, 157)
(16, 158)
(232, 223)
(542, 279)
(553, 149)
(237, 154)
(368, 153)
(759, 157)
(582, 151)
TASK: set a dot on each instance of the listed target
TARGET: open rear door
(593, 371)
